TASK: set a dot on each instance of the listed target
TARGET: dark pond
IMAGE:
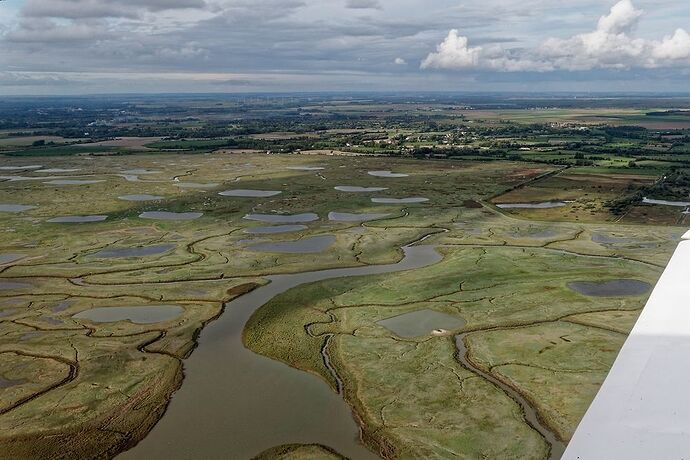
(283, 218)
(611, 288)
(167, 215)
(312, 245)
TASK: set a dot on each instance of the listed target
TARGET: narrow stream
(235, 403)
(557, 448)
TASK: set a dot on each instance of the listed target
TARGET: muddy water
(557, 447)
(235, 404)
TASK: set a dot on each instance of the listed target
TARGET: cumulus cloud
(453, 53)
(399, 61)
(612, 45)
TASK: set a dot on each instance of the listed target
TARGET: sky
(155, 46)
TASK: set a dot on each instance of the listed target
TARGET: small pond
(312, 245)
(275, 229)
(386, 174)
(611, 288)
(10, 257)
(306, 168)
(57, 170)
(350, 217)
(410, 200)
(140, 172)
(5, 285)
(133, 252)
(15, 207)
(420, 323)
(143, 197)
(72, 182)
(19, 168)
(354, 189)
(76, 219)
(611, 239)
(250, 193)
(137, 315)
(680, 204)
(283, 218)
(196, 185)
(167, 215)
(544, 205)
(8, 383)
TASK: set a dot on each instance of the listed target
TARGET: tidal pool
(235, 403)
(275, 229)
(250, 193)
(19, 168)
(306, 168)
(386, 174)
(544, 205)
(140, 251)
(610, 239)
(76, 219)
(15, 207)
(354, 189)
(137, 315)
(57, 170)
(140, 172)
(72, 182)
(196, 185)
(350, 217)
(6, 285)
(167, 215)
(312, 245)
(611, 288)
(7, 383)
(680, 204)
(142, 197)
(420, 323)
(62, 306)
(410, 200)
(10, 257)
(283, 218)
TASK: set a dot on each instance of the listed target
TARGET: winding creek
(235, 403)
(557, 447)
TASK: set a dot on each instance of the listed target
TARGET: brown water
(234, 404)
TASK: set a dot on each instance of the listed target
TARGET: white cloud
(612, 45)
(453, 53)
(399, 61)
(673, 47)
